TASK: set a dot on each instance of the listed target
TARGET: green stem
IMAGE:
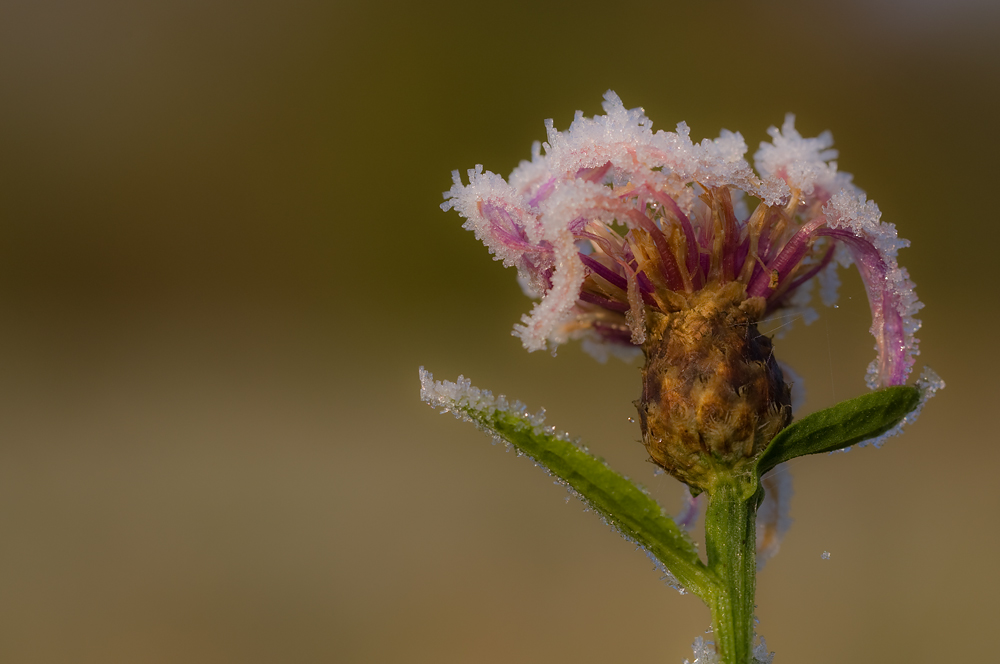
(730, 539)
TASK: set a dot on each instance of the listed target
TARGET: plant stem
(731, 547)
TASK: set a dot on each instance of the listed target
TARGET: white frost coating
(462, 399)
(704, 652)
(892, 298)
(624, 138)
(530, 175)
(609, 168)
(761, 654)
(773, 519)
(487, 187)
(804, 163)
(465, 402)
(929, 383)
(620, 136)
(665, 575)
(555, 309)
(713, 163)
(550, 316)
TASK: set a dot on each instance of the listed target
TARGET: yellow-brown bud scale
(713, 395)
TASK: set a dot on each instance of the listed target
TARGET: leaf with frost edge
(865, 420)
(622, 503)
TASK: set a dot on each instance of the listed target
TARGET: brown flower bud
(713, 395)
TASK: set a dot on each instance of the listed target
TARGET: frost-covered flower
(634, 240)
(615, 221)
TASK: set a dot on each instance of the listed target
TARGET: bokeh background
(222, 261)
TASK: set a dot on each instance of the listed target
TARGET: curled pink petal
(872, 244)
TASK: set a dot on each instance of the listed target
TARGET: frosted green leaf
(851, 422)
(623, 504)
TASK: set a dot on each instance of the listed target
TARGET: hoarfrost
(929, 384)
(873, 245)
(704, 652)
(805, 164)
(470, 404)
(582, 181)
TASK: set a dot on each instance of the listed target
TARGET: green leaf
(848, 423)
(621, 502)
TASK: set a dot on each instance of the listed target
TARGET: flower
(616, 220)
(634, 240)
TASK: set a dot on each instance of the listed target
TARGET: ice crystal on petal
(873, 244)
(929, 383)
(621, 137)
(804, 164)
(530, 176)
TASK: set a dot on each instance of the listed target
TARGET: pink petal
(873, 244)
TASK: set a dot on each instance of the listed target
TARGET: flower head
(635, 240)
(616, 223)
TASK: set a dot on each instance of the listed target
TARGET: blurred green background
(222, 261)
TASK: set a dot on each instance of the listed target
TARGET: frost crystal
(872, 245)
(471, 404)
(803, 163)
(704, 652)
(929, 383)
(610, 223)
(481, 408)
